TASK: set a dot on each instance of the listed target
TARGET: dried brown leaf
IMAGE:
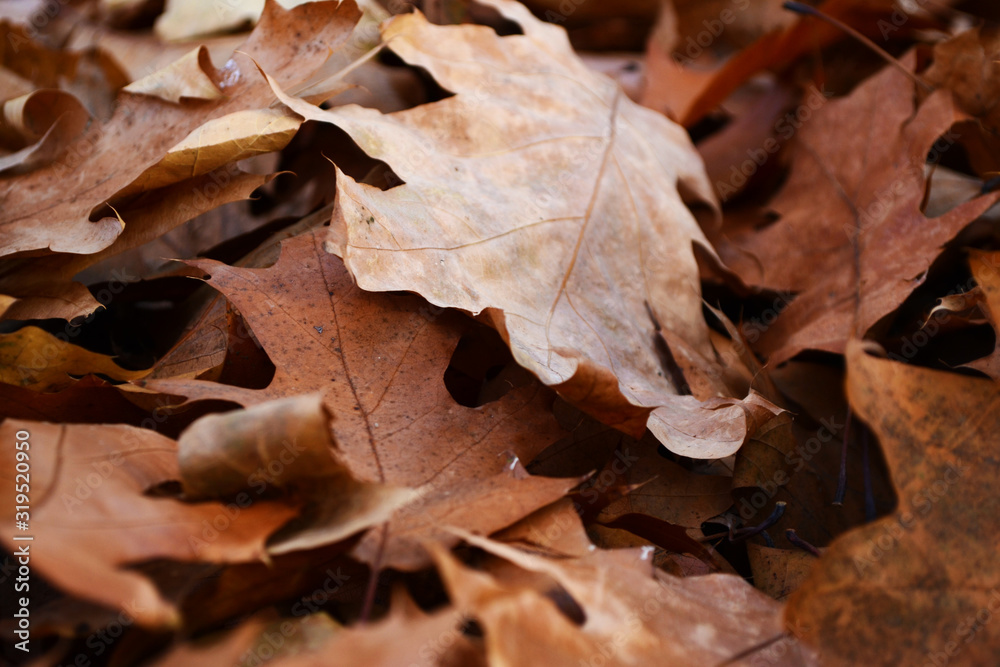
(631, 616)
(575, 261)
(149, 143)
(908, 587)
(37, 360)
(851, 238)
(284, 445)
(379, 359)
(91, 511)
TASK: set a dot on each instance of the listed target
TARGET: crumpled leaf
(967, 64)
(189, 19)
(88, 76)
(284, 444)
(190, 77)
(139, 55)
(37, 360)
(631, 615)
(379, 359)
(88, 400)
(666, 491)
(310, 641)
(910, 586)
(47, 280)
(39, 125)
(576, 260)
(851, 238)
(485, 502)
(986, 270)
(555, 528)
(634, 496)
(202, 351)
(164, 146)
(91, 511)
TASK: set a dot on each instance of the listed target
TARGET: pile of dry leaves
(580, 334)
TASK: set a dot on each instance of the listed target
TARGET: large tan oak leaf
(540, 195)
(917, 587)
(379, 360)
(179, 129)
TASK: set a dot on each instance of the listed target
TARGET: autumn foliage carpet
(583, 334)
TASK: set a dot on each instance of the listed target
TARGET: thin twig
(741, 534)
(838, 499)
(797, 541)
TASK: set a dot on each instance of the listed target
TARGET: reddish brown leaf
(91, 511)
(49, 210)
(379, 360)
(851, 237)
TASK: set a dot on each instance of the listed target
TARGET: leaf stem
(807, 10)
